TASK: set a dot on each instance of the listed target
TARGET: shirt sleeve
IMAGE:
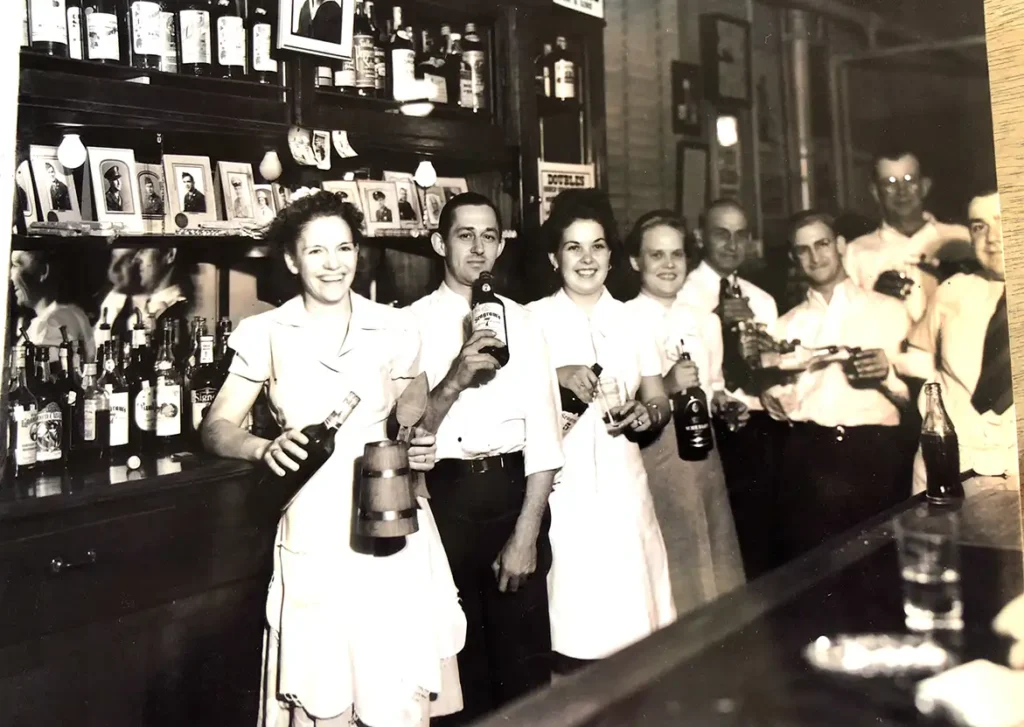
(711, 333)
(405, 361)
(251, 344)
(918, 361)
(543, 450)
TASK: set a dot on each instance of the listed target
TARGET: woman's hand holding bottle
(580, 380)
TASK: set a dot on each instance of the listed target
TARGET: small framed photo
(311, 26)
(433, 202)
(349, 192)
(266, 208)
(26, 194)
(190, 188)
(687, 93)
(55, 186)
(452, 186)
(152, 196)
(282, 195)
(112, 172)
(410, 213)
(380, 205)
(725, 55)
(236, 185)
(322, 149)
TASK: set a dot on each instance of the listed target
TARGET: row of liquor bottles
(192, 37)
(136, 399)
(389, 55)
(556, 72)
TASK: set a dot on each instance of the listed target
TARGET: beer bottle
(733, 367)
(203, 386)
(489, 312)
(574, 407)
(70, 397)
(113, 382)
(167, 386)
(940, 450)
(141, 402)
(692, 421)
(21, 420)
(49, 434)
(94, 447)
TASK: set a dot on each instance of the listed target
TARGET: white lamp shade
(270, 167)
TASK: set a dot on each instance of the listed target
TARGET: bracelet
(655, 413)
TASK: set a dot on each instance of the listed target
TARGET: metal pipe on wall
(799, 48)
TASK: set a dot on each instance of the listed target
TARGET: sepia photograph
(322, 149)
(266, 209)
(236, 182)
(25, 192)
(380, 205)
(151, 191)
(190, 189)
(114, 186)
(348, 191)
(320, 27)
(55, 186)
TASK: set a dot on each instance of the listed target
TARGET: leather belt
(838, 432)
(456, 468)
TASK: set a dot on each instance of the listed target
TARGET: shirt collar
(448, 297)
(887, 229)
(841, 295)
(708, 274)
(47, 311)
(654, 306)
(158, 301)
(365, 315)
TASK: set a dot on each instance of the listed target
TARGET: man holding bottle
(498, 448)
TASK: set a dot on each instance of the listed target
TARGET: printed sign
(555, 178)
(589, 7)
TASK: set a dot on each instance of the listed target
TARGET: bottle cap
(134, 462)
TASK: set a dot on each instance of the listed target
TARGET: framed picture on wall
(266, 209)
(725, 52)
(26, 195)
(115, 186)
(319, 27)
(152, 196)
(380, 205)
(55, 186)
(687, 94)
(691, 181)
(190, 189)
(236, 184)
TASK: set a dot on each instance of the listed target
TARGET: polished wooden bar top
(738, 661)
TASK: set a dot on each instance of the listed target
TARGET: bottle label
(118, 417)
(569, 420)
(440, 87)
(345, 76)
(169, 54)
(147, 28)
(49, 433)
(49, 21)
(138, 337)
(201, 401)
(168, 409)
(472, 86)
(145, 410)
(382, 68)
(104, 43)
(75, 33)
(71, 398)
(24, 432)
(89, 412)
(403, 69)
(262, 48)
(363, 51)
(565, 80)
(195, 36)
(102, 334)
(206, 352)
(108, 365)
(492, 317)
(230, 41)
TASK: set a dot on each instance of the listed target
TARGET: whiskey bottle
(402, 60)
(195, 35)
(430, 67)
(203, 386)
(48, 27)
(103, 330)
(488, 311)
(473, 81)
(563, 72)
(345, 76)
(363, 52)
(229, 40)
(940, 449)
(223, 353)
(106, 34)
(70, 398)
(380, 53)
(321, 444)
(76, 29)
(170, 61)
(262, 37)
(141, 400)
(542, 72)
(733, 365)
(453, 68)
(574, 407)
(94, 447)
(21, 420)
(692, 421)
(49, 434)
(146, 30)
(114, 384)
(167, 385)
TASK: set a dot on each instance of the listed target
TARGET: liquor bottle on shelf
(49, 434)
(473, 86)
(113, 382)
(70, 393)
(692, 420)
(402, 59)
(430, 67)
(223, 353)
(363, 52)
(21, 419)
(574, 407)
(380, 50)
(94, 446)
(542, 72)
(229, 40)
(488, 311)
(195, 35)
(262, 37)
(106, 35)
(940, 450)
(78, 360)
(203, 385)
(321, 444)
(146, 30)
(197, 329)
(141, 400)
(76, 29)
(345, 76)
(103, 330)
(48, 27)
(563, 72)
(167, 385)
(169, 57)
(453, 67)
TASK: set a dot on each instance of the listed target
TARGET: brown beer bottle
(940, 450)
(487, 311)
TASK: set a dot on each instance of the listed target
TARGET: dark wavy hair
(466, 199)
(284, 232)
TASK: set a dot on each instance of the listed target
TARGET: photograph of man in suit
(60, 198)
(405, 209)
(114, 201)
(240, 207)
(152, 202)
(382, 213)
(193, 200)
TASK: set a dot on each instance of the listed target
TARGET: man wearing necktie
(963, 343)
(113, 196)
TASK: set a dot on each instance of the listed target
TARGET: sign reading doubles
(555, 178)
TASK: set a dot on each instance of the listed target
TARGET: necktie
(995, 385)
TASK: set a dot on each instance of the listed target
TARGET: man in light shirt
(36, 280)
(907, 237)
(844, 459)
(498, 448)
(963, 344)
(749, 447)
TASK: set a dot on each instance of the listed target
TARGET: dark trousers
(750, 458)
(834, 478)
(508, 639)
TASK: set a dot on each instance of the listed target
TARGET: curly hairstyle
(284, 232)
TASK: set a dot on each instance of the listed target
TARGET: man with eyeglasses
(844, 458)
(749, 440)
(904, 256)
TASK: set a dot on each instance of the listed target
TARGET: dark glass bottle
(542, 72)
(114, 383)
(733, 367)
(363, 53)
(76, 29)
(401, 59)
(430, 67)
(49, 433)
(195, 37)
(170, 59)
(262, 39)
(488, 311)
(103, 331)
(574, 407)
(453, 67)
(167, 386)
(94, 447)
(321, 444)
(203, 385)
(70, 393)
(229, 40)
(48, 27)
(940, 450)
(380, 52)
(473, 81)
(223, 353)
(146, 31)
(563, 72)
(106, 32)
(21, 419)
(692, 420)
(141, 401)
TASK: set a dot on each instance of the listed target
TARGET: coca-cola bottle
(692, 421)
(489, 312)
(320, 446)
(940, 450)
(574, 407)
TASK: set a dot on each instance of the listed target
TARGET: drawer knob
(59, 565)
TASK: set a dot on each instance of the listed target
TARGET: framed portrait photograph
(380, 205)
(410, 208)
(687, 93)
(190, 189)
(25, 193)
(282, 195)
(322, 149)
(725, 52)
(115, 191)
(452, 186)
(55, 186)
(349, 192)
(236, 185)
(433, 202)
(319, 27)
(266, 209)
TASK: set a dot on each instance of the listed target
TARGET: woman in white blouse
(690, 497)
(609, 582)
(349, 635)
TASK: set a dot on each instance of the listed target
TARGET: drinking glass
(609, 396)
(929, 560)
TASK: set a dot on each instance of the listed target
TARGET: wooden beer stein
(386, 506)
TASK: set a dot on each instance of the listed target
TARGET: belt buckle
(478, 466)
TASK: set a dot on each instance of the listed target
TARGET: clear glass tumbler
(929, 559)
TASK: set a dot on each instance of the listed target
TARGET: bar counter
(739, 660)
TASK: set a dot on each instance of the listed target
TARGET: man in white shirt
(844, 459)
(498, 448)
(749, 447)
(889, 259)
(35, 279)
(963, 344)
